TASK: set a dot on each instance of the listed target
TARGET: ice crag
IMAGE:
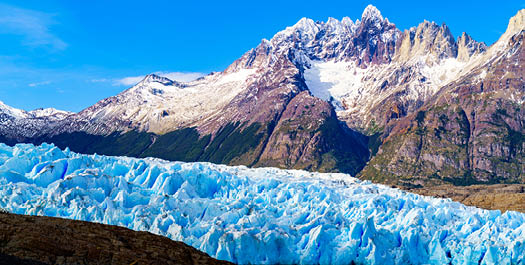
(260, 215)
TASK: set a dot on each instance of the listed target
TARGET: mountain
(19, 125)
(335, 96)
(471, 131)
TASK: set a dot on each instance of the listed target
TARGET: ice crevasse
(262, 215)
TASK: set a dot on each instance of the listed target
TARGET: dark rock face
(47, 240)
(309, 136)
(472, 131)
(369, 47)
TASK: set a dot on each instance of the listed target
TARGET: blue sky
(70, 54)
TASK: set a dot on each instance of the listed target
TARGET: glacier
(262, 215)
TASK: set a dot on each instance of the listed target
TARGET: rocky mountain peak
(467, 47)
(374, 40)
(254, 58)
(516, 26)
(427, 38)
(347, 22)
(334, 26)
(156, 78)
(371, 14)
(305, 27)
(298, 35)
(517, 22)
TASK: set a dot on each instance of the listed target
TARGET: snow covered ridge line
(263, 215)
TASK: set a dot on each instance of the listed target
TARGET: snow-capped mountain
(47, 113)
(424, 59)
(361, 67)
(159, 105)
(17, 124)
(306, 98)
(472, 130)
(354, 65)
(9, 112)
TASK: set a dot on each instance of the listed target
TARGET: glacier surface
(262, 215)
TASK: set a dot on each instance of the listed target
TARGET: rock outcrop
(468, 47)
(427, 39)
(47, 240)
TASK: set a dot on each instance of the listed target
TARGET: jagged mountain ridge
(369, 46)
(471, 131)
(289, 91)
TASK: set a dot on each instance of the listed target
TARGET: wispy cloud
(128, 81)
(176, 76)
(33, 25)
(101, 80)
(39, 83)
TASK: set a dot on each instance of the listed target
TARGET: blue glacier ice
(262, 215)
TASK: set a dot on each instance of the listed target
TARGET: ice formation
(262, 215)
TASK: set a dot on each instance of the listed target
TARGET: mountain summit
(371, 14)
(516, 23)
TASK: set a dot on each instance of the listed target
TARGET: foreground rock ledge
(48, 240)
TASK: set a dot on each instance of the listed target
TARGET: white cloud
(128, 81)
(39, 83)
(176, 76)
(34, 26)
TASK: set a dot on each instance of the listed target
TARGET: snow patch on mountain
(262, 216)
(51, 113)
(8, 114)
(236, 77)
(354, 90)
(335, 81)
(158, 104)
(441, 73)
(13, 112)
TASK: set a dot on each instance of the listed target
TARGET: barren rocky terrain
(46, 240)
(504, 197)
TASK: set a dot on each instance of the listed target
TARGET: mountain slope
(471, 131)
